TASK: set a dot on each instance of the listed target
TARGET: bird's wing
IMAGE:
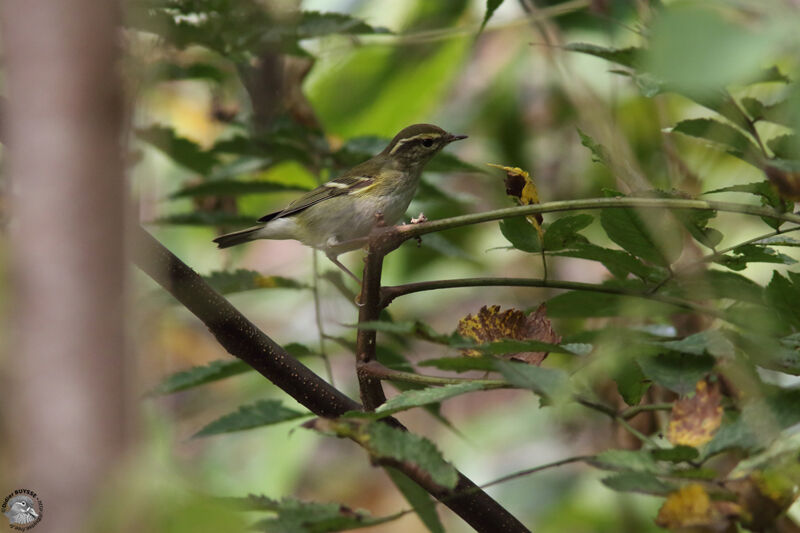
(342, 185)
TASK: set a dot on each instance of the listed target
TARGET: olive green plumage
(345, 209)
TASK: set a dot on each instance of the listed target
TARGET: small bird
(335, 216)
(20, 510)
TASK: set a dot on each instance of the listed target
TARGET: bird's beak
(451, 137)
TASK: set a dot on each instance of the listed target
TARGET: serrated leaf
(226, 282)
(718, 133)
(656, 239)
(625, 460)
(551, 384)
(388, 442)
(740, 256)
(419, 499)
(200, 375)
(676, 371)
(599, 152)
(783, 295)
(643, 482)
(711, 342)
(618, 262)
(491, 7)
(460, 364)
(258, 414)
(420, 397)
(563, 232)
(627, 57)
(520, 234)
(181, 150)
(231, 187)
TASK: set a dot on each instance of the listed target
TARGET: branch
(388, 294)
(244, 340)
(409, 231)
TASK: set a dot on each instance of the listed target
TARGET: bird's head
(417, 144)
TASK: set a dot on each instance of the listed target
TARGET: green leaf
(716, 284)
(231, 187)
(417, 398)
(643, 482)
(563, 232)
(417, 329)
(779, 240)
(676, 371)
(785, 146)
(552, 384)
(627, 57)
(618, 262)
(200, 375)
(420, 500)
(316, 24)
(389, 442)
(656, 240)
(718, 133)
(206, 218)
(260, 413)
(582, 304)
(226, 282)
(764, 190)
(783, 295)
(711, 342)
(631, 382)
(181, 150)
(599, 152)
(677, 454)
(491, 7)
(625, 460)
(521, 234)
(295, 516)
(753, 253)
(460, 364)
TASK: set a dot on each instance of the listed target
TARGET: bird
(20, 510)
(336, 216)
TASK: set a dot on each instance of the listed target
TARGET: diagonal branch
(244, 340)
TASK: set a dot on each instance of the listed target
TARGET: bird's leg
(336, 262)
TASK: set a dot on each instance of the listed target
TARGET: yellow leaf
(520, 186)
(691, 507)
(694, 420)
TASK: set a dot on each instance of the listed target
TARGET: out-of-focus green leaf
(599, 152)
(631, 382)
(226, 282)
(419, 499)
(181, 150)
(644, 482)
(168, 70)
(460, 364)
(711, 342)
(552, 384)
(656, 239)
(676, 371)
(316, 24)
(582, 304)
(295, 516)
(200, 375)
(618, 262)
(234, 188)
(260, 413)
(785, 146)
(716, 284)
(491, 7)
(627, 57)
(738, 258)
(625, 460)
(734, 141)
(676, 454)
(389, 442)
(207, 218)
(783, 295)
(520, 234)
(563, 232)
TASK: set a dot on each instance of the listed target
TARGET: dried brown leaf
(691, 509)
(694, 420)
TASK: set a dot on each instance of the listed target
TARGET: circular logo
(23, 508)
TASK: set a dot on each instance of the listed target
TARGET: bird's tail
(238, 237)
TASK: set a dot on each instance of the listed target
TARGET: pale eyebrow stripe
(415, 137)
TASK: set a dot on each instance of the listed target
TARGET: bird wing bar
(331, 189)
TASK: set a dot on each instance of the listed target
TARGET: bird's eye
(427, 143)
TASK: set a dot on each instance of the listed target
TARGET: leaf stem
(535, 469)
(630, 412)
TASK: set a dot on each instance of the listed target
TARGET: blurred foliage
(685, 336)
